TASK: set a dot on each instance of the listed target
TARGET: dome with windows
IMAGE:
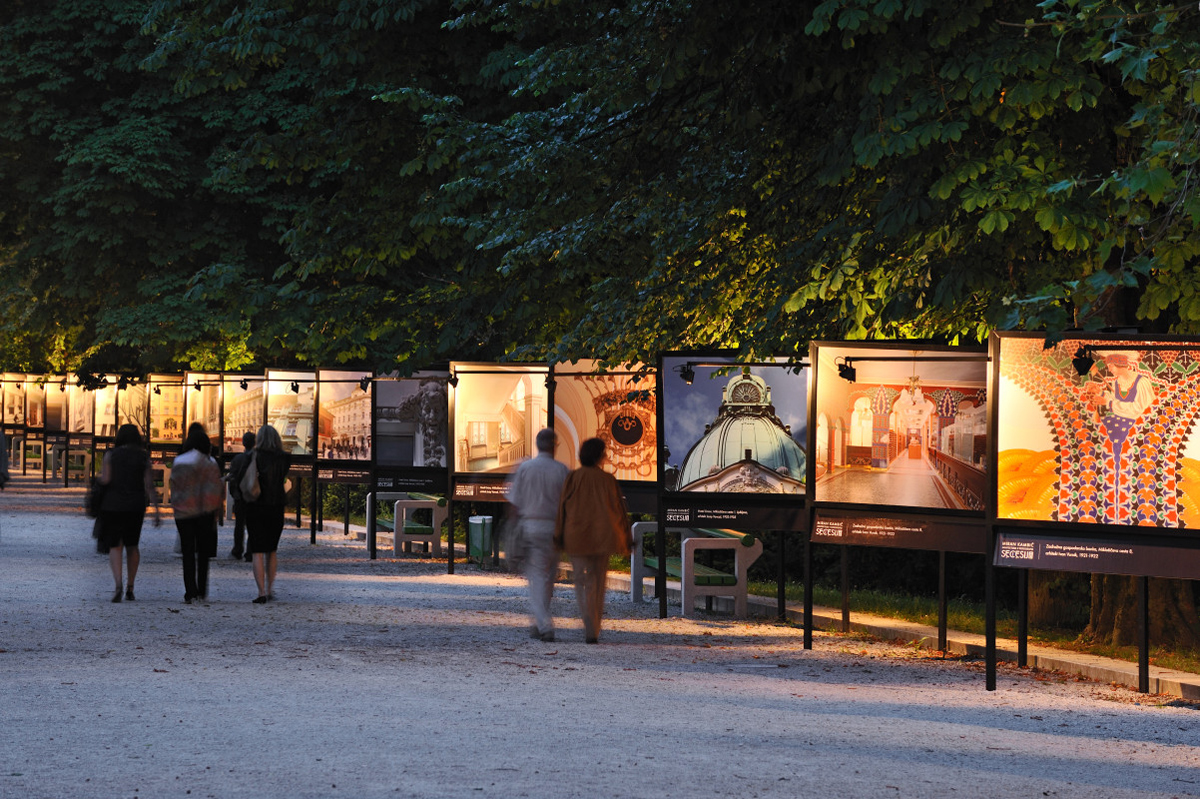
(746, 448)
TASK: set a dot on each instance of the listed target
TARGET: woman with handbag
(128, 488)
(197, 492)
(264, 490)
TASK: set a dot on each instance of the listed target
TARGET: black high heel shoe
(117, 595)
(128, 594)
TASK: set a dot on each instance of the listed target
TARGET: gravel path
(391, 678)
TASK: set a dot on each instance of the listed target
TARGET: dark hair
(128, 434)
(247, 440)
(591, 451)
(197, 439)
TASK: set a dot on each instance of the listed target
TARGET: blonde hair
(268, 438)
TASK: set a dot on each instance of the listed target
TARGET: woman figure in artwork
(197, 493)
(264, 516)
(1125, 398)
(129, 488)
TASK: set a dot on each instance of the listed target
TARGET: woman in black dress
(264, 516)
(128, 487)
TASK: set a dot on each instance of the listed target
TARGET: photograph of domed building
(900, 427)
(734, 430)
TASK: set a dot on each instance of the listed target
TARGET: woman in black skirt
(264, 516)
(128, 487)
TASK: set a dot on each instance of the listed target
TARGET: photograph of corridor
(900, 427)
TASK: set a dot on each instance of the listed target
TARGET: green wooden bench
(695, 579)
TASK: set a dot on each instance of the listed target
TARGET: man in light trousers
(534, 493)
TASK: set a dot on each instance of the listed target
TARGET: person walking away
(592, 525)
(128, 488)
(534, 493)
(264, 515)
(237, 468)
(197, 492)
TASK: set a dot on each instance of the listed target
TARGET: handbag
(514, 543)
(95, 498)
(248, 485)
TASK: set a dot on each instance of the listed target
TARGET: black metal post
(1023, 617)
(312, 509)
(450, 538)
(320, 509)
(781, 595)
(845, 589)
(1143, 592)
(371, 549)
(346, 511)
(808, 592)
(989, 594)
(943, 643)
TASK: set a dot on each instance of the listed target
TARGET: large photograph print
(734, 428)
(203, 400)
(344, 416)
(14, 399)
(410, 421)
(1098, 430)
(498, 411)
(291, 407)
(81, 409)
(618, 407)
(35, 403)
(166, 409)
(900, 427)
(244, 402)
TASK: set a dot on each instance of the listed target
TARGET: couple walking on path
(581, 513)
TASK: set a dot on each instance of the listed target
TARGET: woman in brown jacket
(592, 525)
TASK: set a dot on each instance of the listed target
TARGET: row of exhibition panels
(1087, 437)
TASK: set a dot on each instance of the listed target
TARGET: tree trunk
(1114, 616)
(1058, 600)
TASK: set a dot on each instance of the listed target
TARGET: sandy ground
(392, 678)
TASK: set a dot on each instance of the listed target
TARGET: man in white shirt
(534, 493)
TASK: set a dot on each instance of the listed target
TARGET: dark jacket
(273, 468)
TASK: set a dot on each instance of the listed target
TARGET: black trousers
(239, 527)
(198, 540)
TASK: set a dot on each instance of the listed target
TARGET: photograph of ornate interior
(900, 427)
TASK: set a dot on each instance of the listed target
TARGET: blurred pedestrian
(237, 468)
(197, 493)
(264, 515)
(534, 492)
(128, 484)
(592, 525)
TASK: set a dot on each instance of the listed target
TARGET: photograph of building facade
(911, 430)
(291, 401)
(202, 396)
(14, 399)
(734, 429)
(496, 416)
(166, 409)
(410, 421)
(244, 401)
(1113, 445)
(616, 408)
(344, 416)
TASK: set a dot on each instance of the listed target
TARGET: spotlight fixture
(1083, 361)
(245, 384)
(122, 383)
(62, 386)
(295, 387)
(453, 381)
(686, 372)
(549, 381)
(846, 371)
(158, 390)
(196, 385)
(364, 383)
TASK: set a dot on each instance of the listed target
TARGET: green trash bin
(479, 538)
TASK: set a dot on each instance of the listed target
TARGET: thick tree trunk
(1058, 600)
(1172, 611)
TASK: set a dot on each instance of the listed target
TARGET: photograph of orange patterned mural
(1098, 430)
